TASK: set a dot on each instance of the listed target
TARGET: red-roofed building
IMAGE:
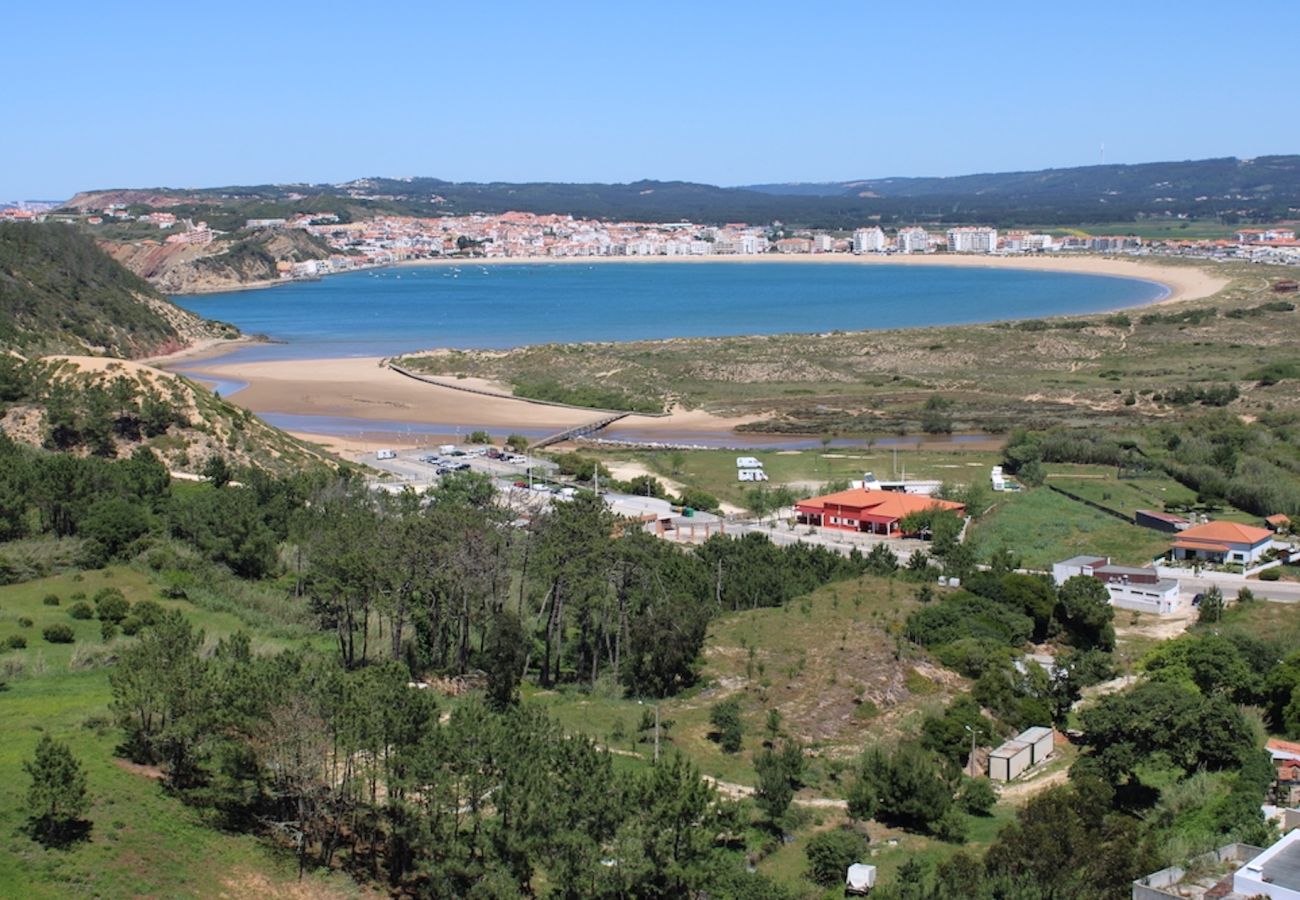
(873, 512)
(1219, 542)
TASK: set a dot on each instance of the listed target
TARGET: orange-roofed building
(873, 512)
(1219, 542)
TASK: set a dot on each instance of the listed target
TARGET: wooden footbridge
(577, 431)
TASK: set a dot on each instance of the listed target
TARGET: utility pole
(971, 761)
(656, 732)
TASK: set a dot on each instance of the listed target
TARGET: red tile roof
(883, 504)
(1226, 532)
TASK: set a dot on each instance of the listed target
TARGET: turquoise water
(391, 311)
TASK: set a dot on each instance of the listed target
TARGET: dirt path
(1025, 789)
(734, 791)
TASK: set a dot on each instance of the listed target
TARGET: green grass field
(143, 841)
(1043, 527)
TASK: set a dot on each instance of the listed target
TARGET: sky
(147, 94)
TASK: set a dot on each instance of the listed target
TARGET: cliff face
(219, 266)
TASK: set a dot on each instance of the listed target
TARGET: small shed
(860, 879)
(1161, 521)
(1009, 760)
(1040, 743)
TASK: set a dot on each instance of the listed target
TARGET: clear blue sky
(105, 94)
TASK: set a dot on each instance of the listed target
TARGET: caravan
(748, 462)
(751, 475)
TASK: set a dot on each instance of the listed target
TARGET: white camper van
(751, 475)
(385, 454)
(748, 462)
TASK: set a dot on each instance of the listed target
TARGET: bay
(399, 310)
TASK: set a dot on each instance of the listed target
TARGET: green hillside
(60, 293)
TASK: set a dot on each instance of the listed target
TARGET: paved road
(1280, 591)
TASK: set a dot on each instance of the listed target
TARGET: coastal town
(681, 453)
(387, 239)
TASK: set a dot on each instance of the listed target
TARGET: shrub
(107, 593)
(81, 611)
(480, 437)
(951, 827)
(725, 717)
(50, 599)
(111, 605)
(15, 642)
(830, 854)
(977, 796)
(107, 630)
(1270, 575)
(131, 626)
(58, 634)
(112, 608)
(148, 612)
(698, 499)
(24, 622)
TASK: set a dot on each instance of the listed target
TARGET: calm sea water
(391, 311)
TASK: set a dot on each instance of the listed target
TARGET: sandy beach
(364, 388)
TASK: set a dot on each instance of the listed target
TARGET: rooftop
(1273, 873)
(1227, 532)
(1085, 561)
(892, 504)
(1281, 749)
(1163, 516)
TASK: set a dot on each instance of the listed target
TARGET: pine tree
(57, 797)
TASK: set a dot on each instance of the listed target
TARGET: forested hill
(1232, 190)
(1224, 180)
(60, 293)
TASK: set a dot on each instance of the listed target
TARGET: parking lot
(422, 468)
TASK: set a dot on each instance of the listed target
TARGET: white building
(1032, 747)
(1275, 873)
(868, 240)
(1024, 242)
(822, 243)
(1131, 588)
(974, 239)
(912, 240)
